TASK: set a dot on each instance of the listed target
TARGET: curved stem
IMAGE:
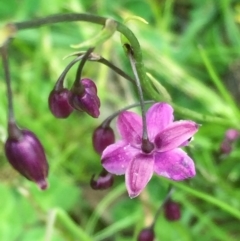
(59, 83)
(70, 17)
(81, 65)
(8, 84)
(108, 120)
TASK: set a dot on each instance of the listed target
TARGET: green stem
(147, 146)
(73, 228)
(116, 69)
(8, 83)
(103, 205)
(81, 65)
(117, 227)
(58, 18)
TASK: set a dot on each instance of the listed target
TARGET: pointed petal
(175, 165)
(130, 127)
(138, 174)
(159, 116)
(175, 135)
(116, 157)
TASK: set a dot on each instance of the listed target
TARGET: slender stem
(59, 83)
(103, 206)
(8, 84)
(139, 88)
(116, 69)
(161, 206)
(108, 120)
(81, 65)
(75, 230)
(51, 219)
(147, 146)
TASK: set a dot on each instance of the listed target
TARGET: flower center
(147, 146)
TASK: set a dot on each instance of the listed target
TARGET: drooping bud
(84, 97)
(102, 138)
(225, 147)
(172, 210)
(232, 135)
(58, 102)
(147, 234)
(104, 181)
(26, 154)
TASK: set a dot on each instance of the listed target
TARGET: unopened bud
(232, 135)
(225, 147)
(84, 98)
(146, 234)
(102, 138)
(58, 102)
(104, 181)
(172, 211)
(26, 154)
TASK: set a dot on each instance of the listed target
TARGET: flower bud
(59, 104)
(84, 98)
(225, 147)
(146, 234)
(172, 211)
(104, 181)
(232, 135)
(26, 154)
(102, 137)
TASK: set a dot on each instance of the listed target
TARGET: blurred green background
(192, 48)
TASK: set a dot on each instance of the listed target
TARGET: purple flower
(166, 159)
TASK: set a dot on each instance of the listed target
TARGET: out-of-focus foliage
(192, 48)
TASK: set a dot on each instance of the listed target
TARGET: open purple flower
(166, 159)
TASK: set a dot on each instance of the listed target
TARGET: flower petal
(175, 164)
(130, 127)
(138, 174)
(116, 157)
(159, 116)
(175, 135)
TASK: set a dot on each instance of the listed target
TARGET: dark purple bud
(104, 181)
(172, 211)
(225, 147)
(102, 138)
(84, 98)
(26, 154)
(58, 102)
(146, 234)
(232, 135)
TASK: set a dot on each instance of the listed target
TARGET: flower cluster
(150, 143)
